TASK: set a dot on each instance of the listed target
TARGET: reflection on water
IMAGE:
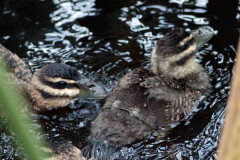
(105, 39)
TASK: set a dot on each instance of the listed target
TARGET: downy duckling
(145, 100)
(52, 86)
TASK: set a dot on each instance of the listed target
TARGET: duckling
(149, 99)
(52, 86)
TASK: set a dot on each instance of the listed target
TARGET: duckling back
(140, 104)
(18, 67)
(118, 123)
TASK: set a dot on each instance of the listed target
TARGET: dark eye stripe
(184, 59)
(56, 85)
(186, 45)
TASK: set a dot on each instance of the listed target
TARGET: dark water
(104, 39)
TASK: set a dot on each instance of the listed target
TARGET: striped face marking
(175, 58)
(185, 40)
(50, 86)
(183, 57)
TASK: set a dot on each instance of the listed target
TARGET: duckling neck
(192, 74)
(180, 72)
(171, 69)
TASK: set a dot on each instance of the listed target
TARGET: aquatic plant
(11, 105)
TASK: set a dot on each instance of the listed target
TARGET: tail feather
(19, 68)
(98, 150)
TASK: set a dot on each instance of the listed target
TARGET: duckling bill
(52, 86)
(145, 100)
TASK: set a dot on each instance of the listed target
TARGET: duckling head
(175, 53)
(58, 84)
(57, 80)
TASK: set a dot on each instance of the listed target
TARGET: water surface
(104, 39)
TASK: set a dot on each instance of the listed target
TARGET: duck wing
(120, 122)
(179, 99)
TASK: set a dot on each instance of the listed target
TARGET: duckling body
(145, 100)
(142, 103)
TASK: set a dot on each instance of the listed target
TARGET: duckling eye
(186, 44)
(62, 83)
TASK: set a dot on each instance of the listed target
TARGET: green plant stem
(19, 121)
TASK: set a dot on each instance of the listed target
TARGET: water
(104, 39)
